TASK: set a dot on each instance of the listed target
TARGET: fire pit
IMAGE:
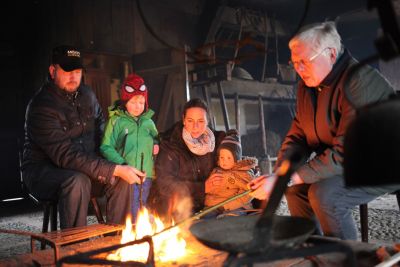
(148, 243)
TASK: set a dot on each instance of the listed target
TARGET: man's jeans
(331, 202)
(136, 196)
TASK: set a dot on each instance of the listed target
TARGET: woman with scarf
(186, 158)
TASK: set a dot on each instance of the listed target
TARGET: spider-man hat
(133, 85)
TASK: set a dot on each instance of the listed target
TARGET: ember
(168, 246)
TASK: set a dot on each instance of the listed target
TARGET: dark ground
(384, 223)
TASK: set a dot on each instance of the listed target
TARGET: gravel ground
(384, 223)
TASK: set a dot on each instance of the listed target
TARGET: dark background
(113, 30)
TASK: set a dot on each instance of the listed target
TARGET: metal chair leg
(49, 215)
(97, 210)
(364, 222)
(397, 193)
(53, 216)
(46, 217)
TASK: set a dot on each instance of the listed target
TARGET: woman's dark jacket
(64, 129)
(179, 172)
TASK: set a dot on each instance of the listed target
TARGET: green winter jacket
(125, 138)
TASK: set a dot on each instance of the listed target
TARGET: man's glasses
(305, 63)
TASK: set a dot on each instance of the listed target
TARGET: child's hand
(156, 149)
(213, 181)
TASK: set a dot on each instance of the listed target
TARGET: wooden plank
(63, 237)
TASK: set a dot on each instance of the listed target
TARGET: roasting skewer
(141, 182)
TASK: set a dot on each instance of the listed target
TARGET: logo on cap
(73, 53)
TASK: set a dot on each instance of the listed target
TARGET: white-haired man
(323, 114)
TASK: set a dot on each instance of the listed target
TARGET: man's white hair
(319, 36)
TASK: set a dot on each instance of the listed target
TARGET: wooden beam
(262, 125)
(223, 106)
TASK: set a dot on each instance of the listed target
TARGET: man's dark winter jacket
(179, 172)
(64, 129)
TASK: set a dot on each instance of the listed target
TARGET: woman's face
(195, 121)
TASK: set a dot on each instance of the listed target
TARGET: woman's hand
(215, 180)
(262, 186)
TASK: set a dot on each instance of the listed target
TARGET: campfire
(168, 245)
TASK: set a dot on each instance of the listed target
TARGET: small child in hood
(131, 136)
(236, 173)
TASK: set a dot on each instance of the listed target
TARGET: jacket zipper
(315, 113)
(124, 142)
(137, 142)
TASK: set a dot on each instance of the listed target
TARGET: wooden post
(265, 49)
(262, 125)
(237, 113)
(207, 97)
(223, 106)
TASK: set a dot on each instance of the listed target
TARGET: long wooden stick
(141, 182)
(201, 213)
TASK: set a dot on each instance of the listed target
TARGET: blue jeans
(136, 197)
(331, 203)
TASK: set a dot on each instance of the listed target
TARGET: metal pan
(253, 234)
(236, 234)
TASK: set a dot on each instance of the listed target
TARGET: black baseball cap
(68, 57)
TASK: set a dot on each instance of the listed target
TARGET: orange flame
(168, 246)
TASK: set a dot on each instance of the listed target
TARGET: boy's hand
(156, 149)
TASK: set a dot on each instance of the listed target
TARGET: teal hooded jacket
(126, 138)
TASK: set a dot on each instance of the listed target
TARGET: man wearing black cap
(63, 126)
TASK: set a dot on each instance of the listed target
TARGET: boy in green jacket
(131, 136)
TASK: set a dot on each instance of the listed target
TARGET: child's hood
(246, 163)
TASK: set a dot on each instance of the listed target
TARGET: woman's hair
(319, 35)
(194, 103)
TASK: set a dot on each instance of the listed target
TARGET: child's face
(226, 160)
(135, 106)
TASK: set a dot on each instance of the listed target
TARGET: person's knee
(78, 182)
(320, 196)
(292, 192)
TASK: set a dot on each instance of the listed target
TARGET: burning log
(168, 245)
